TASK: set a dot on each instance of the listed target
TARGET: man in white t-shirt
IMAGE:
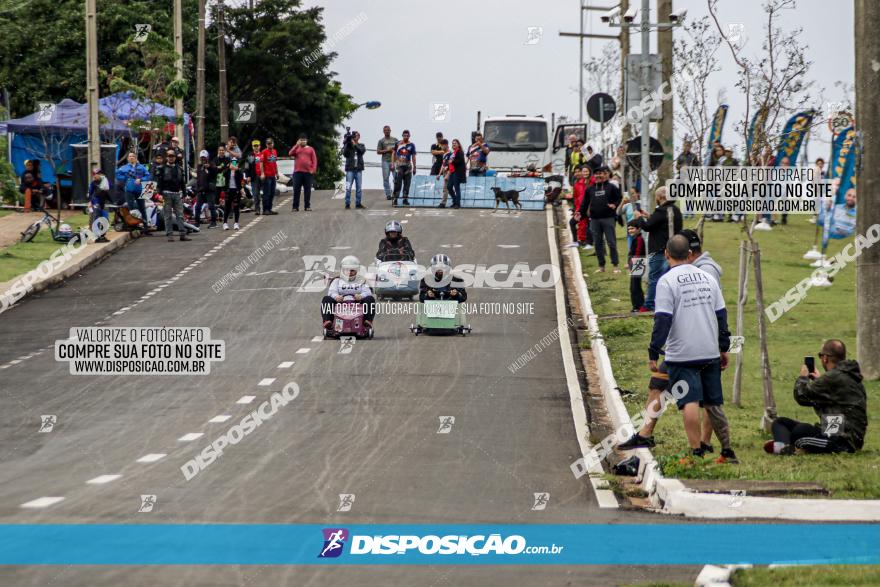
(690, 321)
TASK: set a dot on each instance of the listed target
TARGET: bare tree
(698, 48)
(603, 75)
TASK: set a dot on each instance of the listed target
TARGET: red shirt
(269, 158)
(304, 159)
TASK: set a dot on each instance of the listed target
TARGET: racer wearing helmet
(395, 246)
(348, 284)
(441, 283)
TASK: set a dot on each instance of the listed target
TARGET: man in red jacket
(305, 165)
(269, 175)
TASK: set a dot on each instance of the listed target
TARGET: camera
(347, 138)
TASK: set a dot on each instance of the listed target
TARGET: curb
(70, 269)
(670, 496)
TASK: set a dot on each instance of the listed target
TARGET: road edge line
(604, 496)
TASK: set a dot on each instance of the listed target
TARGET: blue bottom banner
(582, 544)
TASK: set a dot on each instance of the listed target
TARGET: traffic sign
(634, 152)
(601, 107)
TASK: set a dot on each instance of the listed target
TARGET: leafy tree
(275, 59)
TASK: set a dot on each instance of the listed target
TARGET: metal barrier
(427, 191)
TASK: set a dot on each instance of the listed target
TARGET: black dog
(507, 196)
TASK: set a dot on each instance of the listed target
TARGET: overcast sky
(473, 55)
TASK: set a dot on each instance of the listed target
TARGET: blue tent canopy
(125, 106)
(47, 136)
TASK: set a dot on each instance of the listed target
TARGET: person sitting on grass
(838, 398)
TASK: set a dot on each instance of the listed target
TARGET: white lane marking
(189, 437)
(285, 365)
(604, 496)
(246, 399)
(152, 457)
(219, 419)
(509, 246)
(302, 351)
(102, 479)
(340, 248)
(42, 502)
(266, 382)
(317, 338)
(404, 221)
(17, 361)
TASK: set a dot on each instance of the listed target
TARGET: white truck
(517, 141)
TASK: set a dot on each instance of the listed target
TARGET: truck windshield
(516, 135)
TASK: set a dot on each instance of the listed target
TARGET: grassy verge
(20, 258)
(825, 313)
(843, 575)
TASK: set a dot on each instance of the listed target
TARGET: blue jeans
(268, 193)
(386, 173)
(657, 266)
(302, 181)
(454, 187)
(353, 177)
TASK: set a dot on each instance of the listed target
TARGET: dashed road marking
(189, 437)
(152, 457)
(42, 502)
(219, 419)
(285, 365)
(266, 382)
(246, 399)
(317, 338)
(302, 351)
(102, 479)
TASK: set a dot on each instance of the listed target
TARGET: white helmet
(394, 226)
(350, 263)
(65, 230)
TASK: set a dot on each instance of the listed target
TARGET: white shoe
(587, 247)
(763, 226)
(235, 226)
(225, 226)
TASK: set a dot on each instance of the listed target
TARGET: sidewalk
(694, 499)
(30, 282)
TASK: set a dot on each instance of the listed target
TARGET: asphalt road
(365, 422)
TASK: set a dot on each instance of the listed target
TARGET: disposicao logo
(334, 541)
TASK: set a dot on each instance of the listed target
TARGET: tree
(274, 58)
(698, 47)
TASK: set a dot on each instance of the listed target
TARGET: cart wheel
(29, 233)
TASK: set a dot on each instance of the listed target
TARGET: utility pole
(624, 51)
(200, 82)
(581, 36)
(644, 26)
(221, 55)
(94, 150)
(178, 66)
(867, 47)
(665, 131)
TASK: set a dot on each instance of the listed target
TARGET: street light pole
(178, 66)
(645, 88)
(581, 62)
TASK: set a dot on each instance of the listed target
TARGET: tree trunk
(769, 401)
(741, 297)
(867, 44)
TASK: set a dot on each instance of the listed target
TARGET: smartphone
(810, 362)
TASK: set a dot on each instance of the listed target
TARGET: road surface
(365, 423)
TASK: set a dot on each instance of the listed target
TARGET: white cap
(203, 153)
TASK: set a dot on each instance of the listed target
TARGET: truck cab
(518, 141)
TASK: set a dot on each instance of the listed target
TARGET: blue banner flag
(793, 136)
(756, 131)
(715, 131)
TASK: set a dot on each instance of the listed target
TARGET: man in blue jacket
(133, 175)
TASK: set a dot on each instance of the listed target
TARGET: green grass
(814, 576)
(5, 213)
(825, 313)
(20, 258)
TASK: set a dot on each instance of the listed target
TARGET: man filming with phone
(838, 398)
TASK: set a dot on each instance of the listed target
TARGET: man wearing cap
(252, 168)
(206, 186)
(690, 329)
(170, 182)
(269, 175)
